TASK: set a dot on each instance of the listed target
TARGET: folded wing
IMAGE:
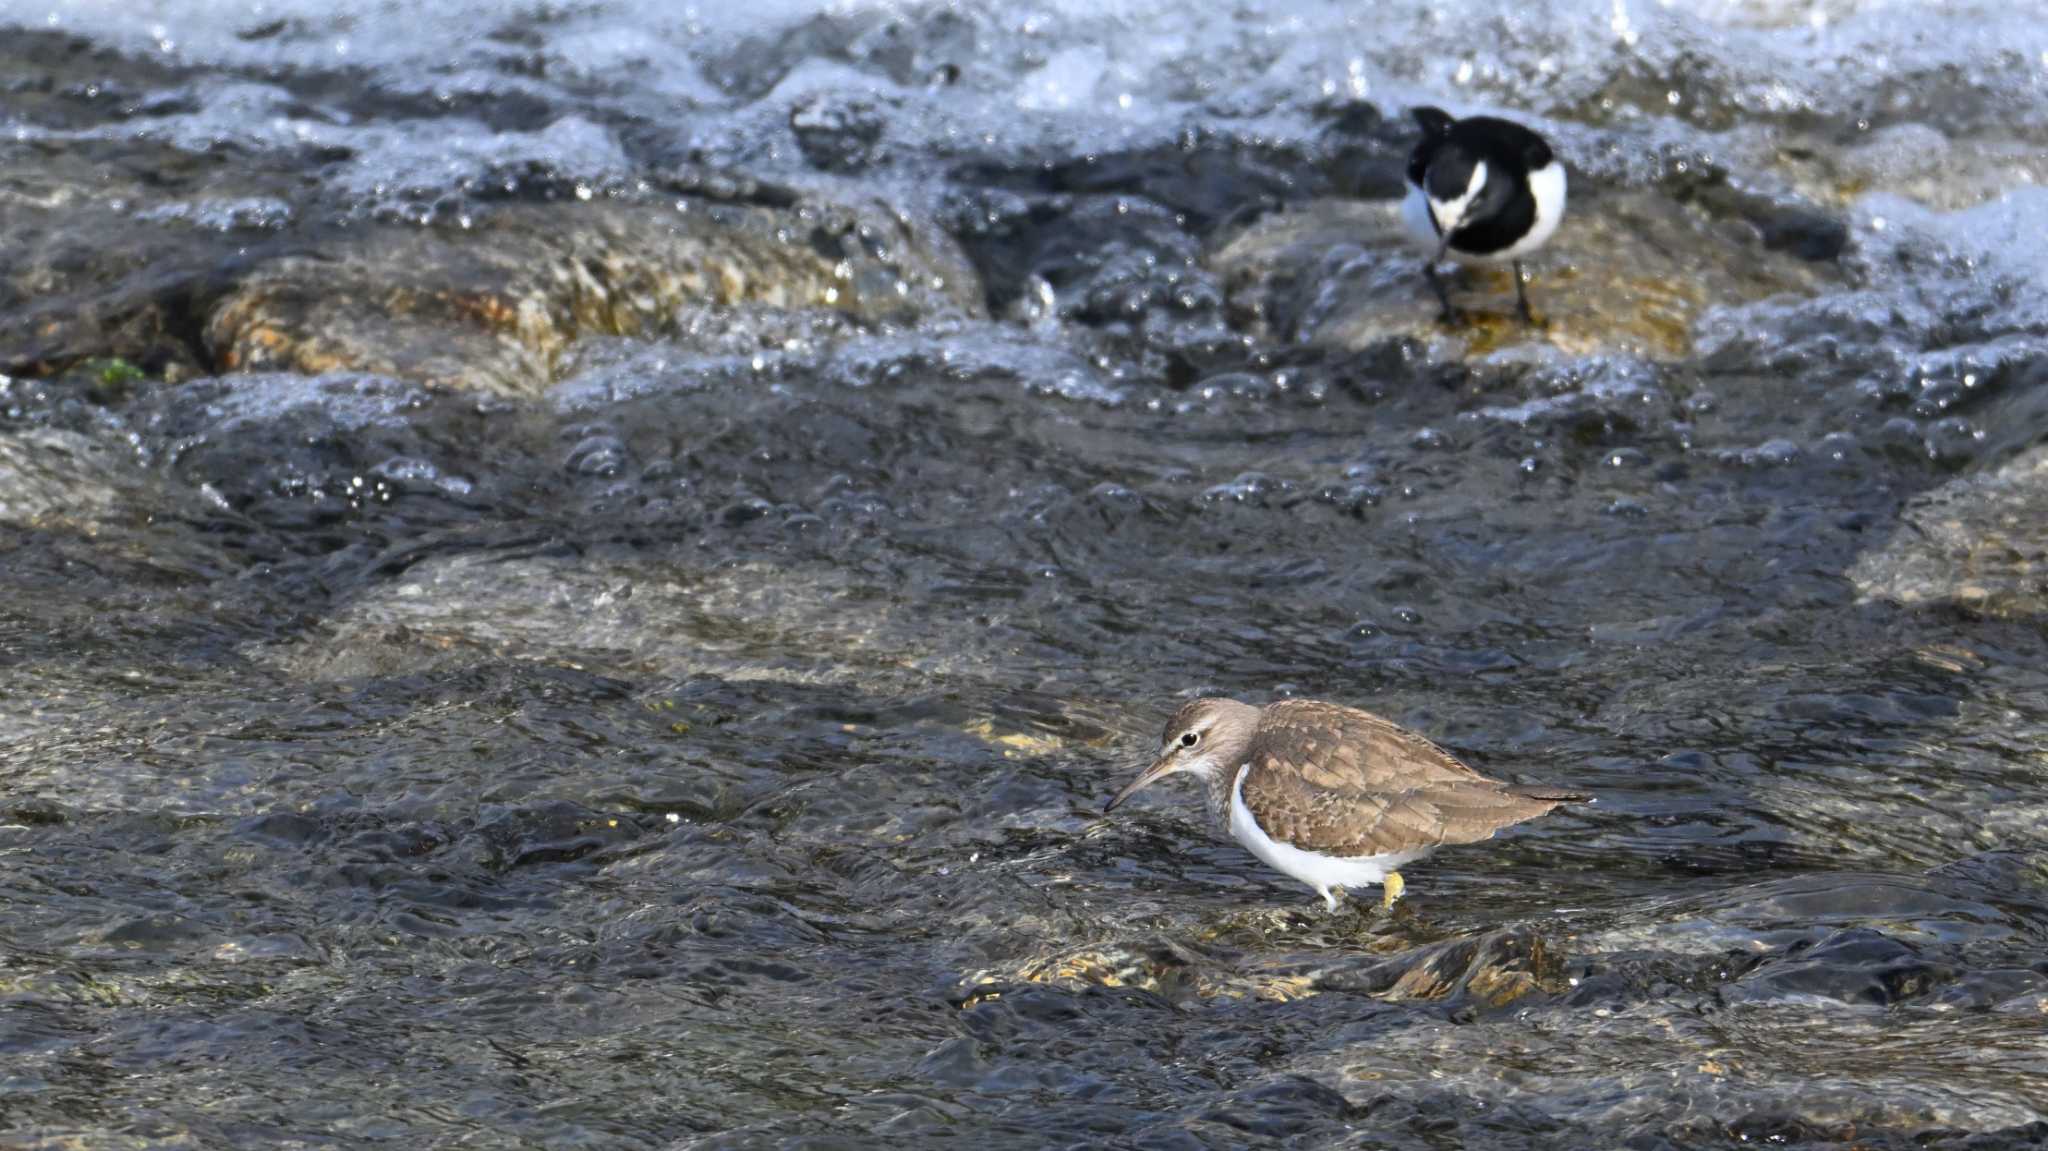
(1345, 782)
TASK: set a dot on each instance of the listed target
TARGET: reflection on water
(703, 743)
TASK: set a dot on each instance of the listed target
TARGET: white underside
(1546, 184)
(1322, 872)
(1415, 217)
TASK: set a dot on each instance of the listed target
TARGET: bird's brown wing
(1345, 782)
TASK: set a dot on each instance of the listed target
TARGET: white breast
(1321, 872)
(1546, 184)
(1415, 218)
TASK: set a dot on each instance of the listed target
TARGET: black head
(1434, 121)
(1450, 171)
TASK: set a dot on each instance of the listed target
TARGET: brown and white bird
(1334, 796)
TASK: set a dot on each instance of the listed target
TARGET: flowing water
(694, 733)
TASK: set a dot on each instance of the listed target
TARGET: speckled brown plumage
(1343, 782)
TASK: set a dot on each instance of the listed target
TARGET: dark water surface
(706, 747)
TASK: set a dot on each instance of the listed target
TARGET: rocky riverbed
(581, 575)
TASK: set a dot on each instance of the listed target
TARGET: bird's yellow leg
(1390, 890)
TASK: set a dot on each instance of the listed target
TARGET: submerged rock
(90, 273)
(493, 308)
(1980, 542)
(49, 476)
(1492, 970)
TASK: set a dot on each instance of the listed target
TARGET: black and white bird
(1483, 190)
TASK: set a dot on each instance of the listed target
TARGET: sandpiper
(1483, 190)
(1334, 796)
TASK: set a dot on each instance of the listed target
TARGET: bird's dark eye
(1190, 738)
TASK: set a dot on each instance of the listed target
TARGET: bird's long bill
(1160, 768)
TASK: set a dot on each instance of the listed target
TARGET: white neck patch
(1451, 213)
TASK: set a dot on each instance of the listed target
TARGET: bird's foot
(1390, 890)
(1522, 298)
(1450, 317)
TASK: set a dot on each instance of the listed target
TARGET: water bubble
(1248, 487)
(1952, 440)
(601, 454)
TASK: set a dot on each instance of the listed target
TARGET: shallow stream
(580, 574)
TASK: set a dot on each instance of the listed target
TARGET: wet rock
(88, 275)
(2015, 876)
(1628, 272)
(622, 618)
(494, 308)
(922, 49)
(1783, 223)
(1805, 232)
(300, 451)
(1167, 968)
(1491, 970)
(1859, 965)
(51, 477)
(1162, 968)
(1979, 542)
(1911, 159)
(1285, 1107)
(745, 329)
(185, 259)
(1111, 236)
(1870, 967)
(837, 133)
(1204, 179)
(1091, 258)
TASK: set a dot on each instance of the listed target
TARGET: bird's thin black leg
(1522, 297)
(1443, 295)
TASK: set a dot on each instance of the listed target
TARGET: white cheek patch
(1450, 213)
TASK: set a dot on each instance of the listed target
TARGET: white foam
(1077, 76)
(1081, 60)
